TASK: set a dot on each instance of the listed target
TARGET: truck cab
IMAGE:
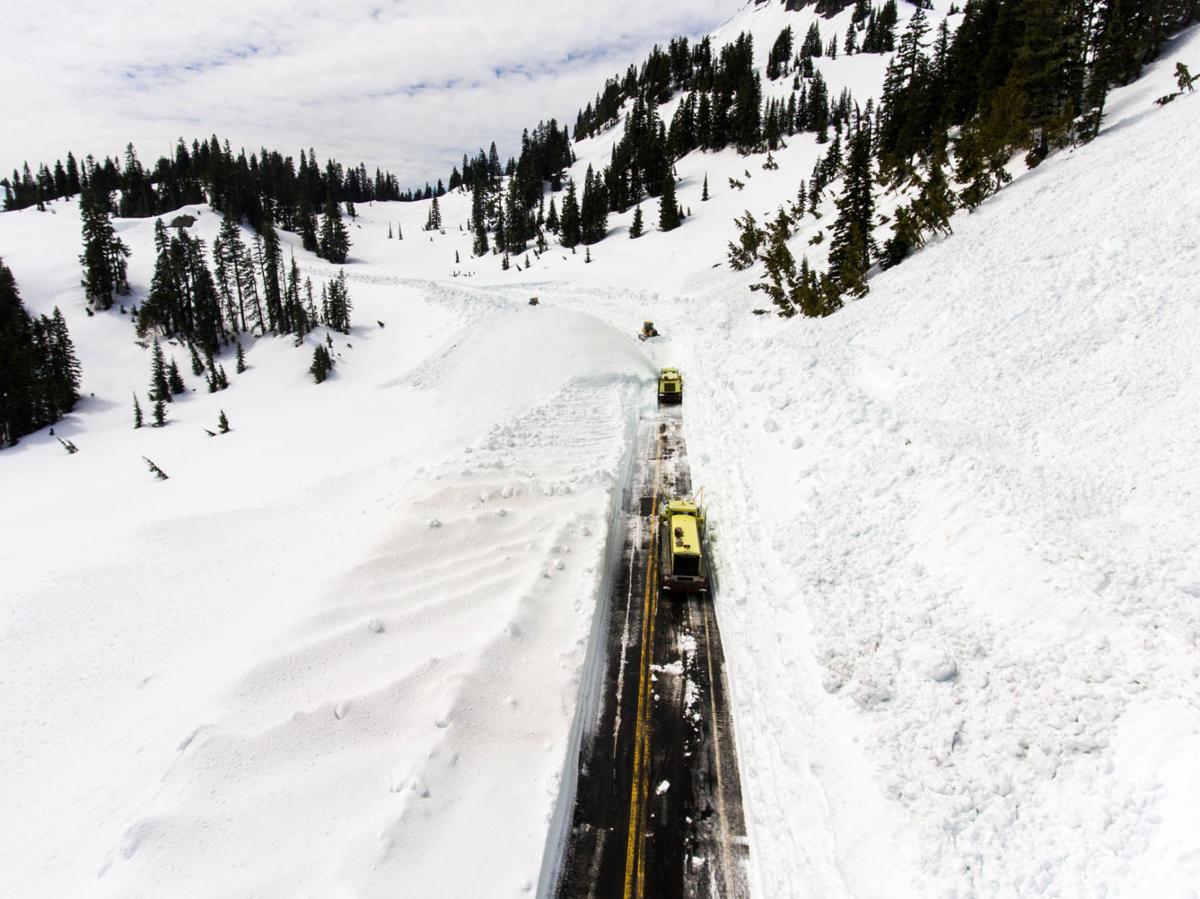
(670, 386)
(682, 564)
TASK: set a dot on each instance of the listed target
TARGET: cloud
(406, 85)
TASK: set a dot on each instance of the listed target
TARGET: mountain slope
(338, 651)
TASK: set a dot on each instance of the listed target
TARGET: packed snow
(957, 527)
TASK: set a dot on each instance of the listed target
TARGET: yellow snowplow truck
(670, 386)
(682, 564)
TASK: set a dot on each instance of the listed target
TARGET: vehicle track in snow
(657, 808)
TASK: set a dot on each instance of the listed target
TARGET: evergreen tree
(223, 423)
(235, 273)
(39, 373)
(322, 364)
(434, 222)
(636, 229)
(852, 247)
(160, 388)
(781, 277)
(337, 307)
(294, 315)
(104, 254)
(160, 413)
(936, 202)
(478, 221)
(174, 379)
(552, 223)
(744, 253)
(594, 211)
(571, 228)
(268, 255)
(154, 469)
(183, 299)
(60, 367)
(704, 195)
(197, 365)
(669, 216)
(137, 413)
(335, 242)
(241, 358)
(906, 237)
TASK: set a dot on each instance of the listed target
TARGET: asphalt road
(658, 807)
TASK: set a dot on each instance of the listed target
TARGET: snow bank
(978, 508)
(271, 675)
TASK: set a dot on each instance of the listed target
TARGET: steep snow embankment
(980, 508)
(338, 640)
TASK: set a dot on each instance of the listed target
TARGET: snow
(339, 652)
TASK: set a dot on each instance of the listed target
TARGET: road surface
(658, 807)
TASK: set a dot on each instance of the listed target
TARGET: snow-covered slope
(338, 652)
(338, 639)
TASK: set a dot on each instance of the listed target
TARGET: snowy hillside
(338, 652)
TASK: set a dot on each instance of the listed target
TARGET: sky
(405, 85)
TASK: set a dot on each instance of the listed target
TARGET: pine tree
(336, 305)
(434, 222)
(744, 253)
(780, 280)
(669, 216)
(478, 221)
(160, 413)
(160, 388)
(241, 358)
(636, 229)
(268, 253)
(235, 272)
(571, 235)
(594, 210)
(936, 202)
(174, 379)
(221, 378)
(390, 235)
(104, 254)
(906, 237)
(197, 365)
(155, 470)
(137, 413)
(335, 242)
(223, 423)
(853, 247)
(322, 364)
(704, 195)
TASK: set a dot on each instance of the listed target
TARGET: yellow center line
(641, 743)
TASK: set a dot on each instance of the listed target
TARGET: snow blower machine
(683, 567)
(670, 386)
